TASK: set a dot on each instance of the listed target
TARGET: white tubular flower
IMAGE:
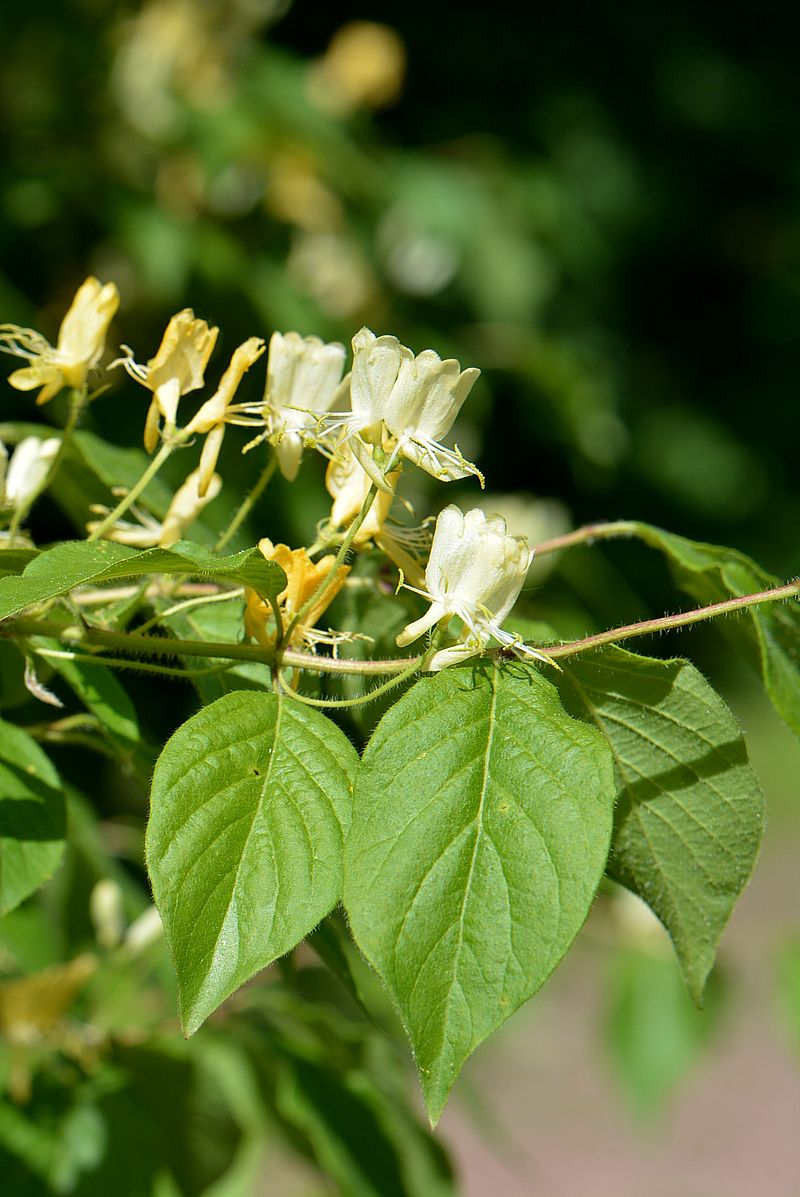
(415, 398)
(210, 419)
(81, 340)
(186, 505)
(303, 379)
(177, 368)
(27, 470)
(476, 570)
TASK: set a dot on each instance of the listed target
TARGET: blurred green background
(599, 205)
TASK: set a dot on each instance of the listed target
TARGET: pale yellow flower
(187, 504)
(303, 577)
(81, 340)
(303, 377)
(177, 368)
(414, 400)
(348, 486)
(210, 419)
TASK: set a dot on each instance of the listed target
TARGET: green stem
(77, 403)
(164, 452)
(248, 503)
(351, 702)
(330, 577)
(160, 646)
(665, 622)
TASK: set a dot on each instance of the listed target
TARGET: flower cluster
(401, 407)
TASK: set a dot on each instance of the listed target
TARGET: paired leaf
(32, 817)
(482, 819)
(769, 635)
(80, 562)
(250, 805)
(689, 818)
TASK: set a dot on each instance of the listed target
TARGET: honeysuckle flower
(348, 485)
(177, 368)
(25, 473)
(81, 340)
(187, 504)
(303, 577)
(476, 570)
(210, 419)
(414, 398)
(304, 375)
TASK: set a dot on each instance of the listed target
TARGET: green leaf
(104, 695)
(689, 818)
(768, 636)
(250, 806)
(80, 562)
(371, 1151)
(13, 561)
(115, 466)
(481, 824)
(32, 817)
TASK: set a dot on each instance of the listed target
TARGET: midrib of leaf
(258, 806)
(478, 838)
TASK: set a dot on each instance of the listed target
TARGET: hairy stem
(248, 503)
(665, 622)
(137, 644)
(587, 535)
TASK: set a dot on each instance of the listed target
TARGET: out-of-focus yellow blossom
(303, 577)
(210, 419)
(186, 506)
(297, 195)
(333, 270)
(177, 368)
(81, 340)
(363, 67)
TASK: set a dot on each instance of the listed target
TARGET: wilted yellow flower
(81, 340)
(177, 368)
(303, 576)
(210, 419)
